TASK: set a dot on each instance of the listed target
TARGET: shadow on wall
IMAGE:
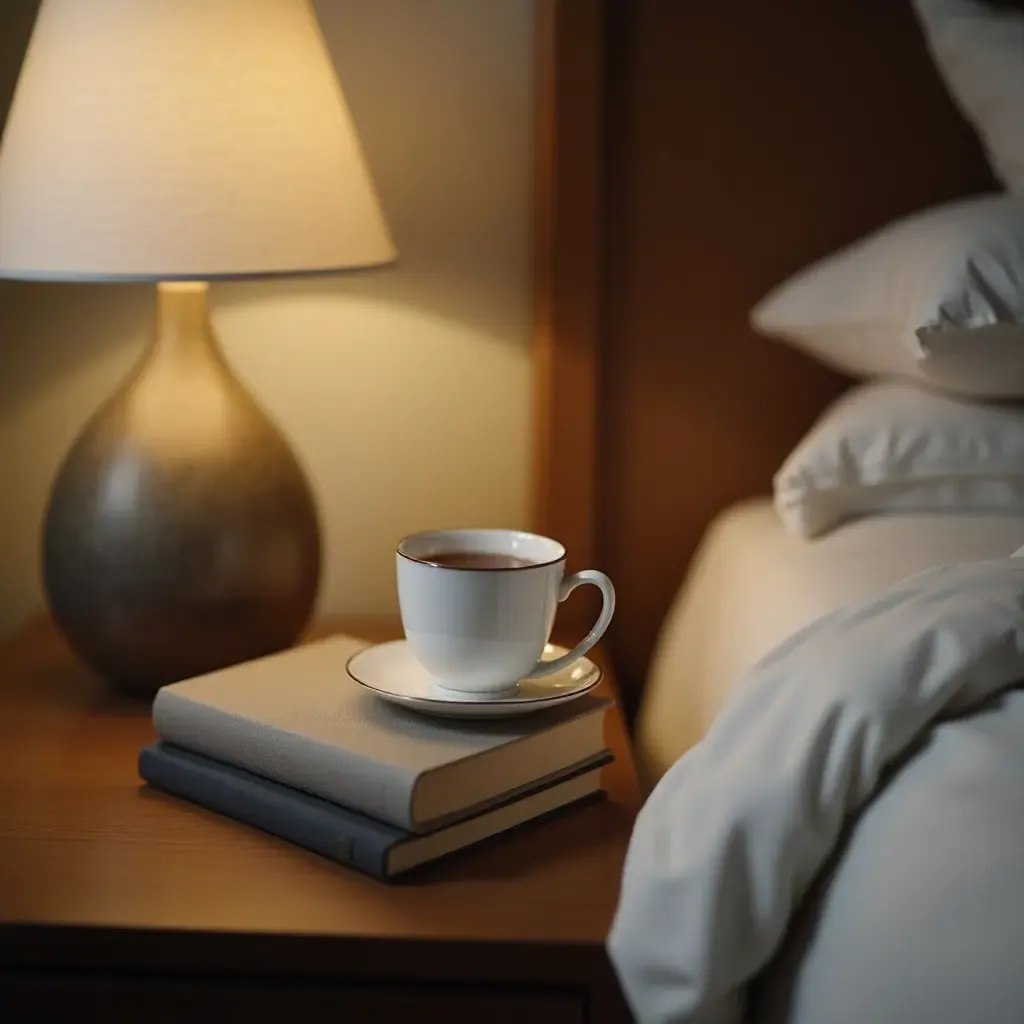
(406, 390)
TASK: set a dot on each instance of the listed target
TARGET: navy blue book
(346, 836)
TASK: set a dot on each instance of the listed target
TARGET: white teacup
(478, 605)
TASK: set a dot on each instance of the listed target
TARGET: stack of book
(291, 745)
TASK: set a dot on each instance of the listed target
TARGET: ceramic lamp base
(181, 534)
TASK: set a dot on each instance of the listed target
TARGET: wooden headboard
(689, 157)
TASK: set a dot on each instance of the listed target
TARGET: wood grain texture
(741, 142)
(100, 872)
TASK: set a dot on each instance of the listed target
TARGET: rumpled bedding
(847, 841)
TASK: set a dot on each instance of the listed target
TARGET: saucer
(392, 673)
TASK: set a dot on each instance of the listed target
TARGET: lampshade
(182, 139)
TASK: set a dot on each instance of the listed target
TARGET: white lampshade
(170, 139)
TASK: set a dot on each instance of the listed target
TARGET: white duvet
(878, 752)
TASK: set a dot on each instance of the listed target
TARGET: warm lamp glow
(167, 139)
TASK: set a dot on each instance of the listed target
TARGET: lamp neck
(183, 322)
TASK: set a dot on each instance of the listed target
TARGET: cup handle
(565, 588)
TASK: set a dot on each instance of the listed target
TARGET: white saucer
(392, 673)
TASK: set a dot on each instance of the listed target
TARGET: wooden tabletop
(93, 865)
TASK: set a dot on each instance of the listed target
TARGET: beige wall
(405, 392)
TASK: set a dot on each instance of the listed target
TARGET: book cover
(339, 833)
(297, 718)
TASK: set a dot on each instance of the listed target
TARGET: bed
(751, 584)
(830, 726)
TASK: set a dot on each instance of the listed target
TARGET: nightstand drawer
(29, 997)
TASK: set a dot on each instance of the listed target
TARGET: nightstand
(122, 904)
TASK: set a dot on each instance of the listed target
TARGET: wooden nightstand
(121, 904)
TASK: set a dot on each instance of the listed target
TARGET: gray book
(298, 719)
(341, 834)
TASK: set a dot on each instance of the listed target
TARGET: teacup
(478, 606)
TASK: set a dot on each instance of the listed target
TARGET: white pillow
(979, 52)
(937, 296)
(893, 447)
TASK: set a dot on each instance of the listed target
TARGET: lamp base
(181, 534)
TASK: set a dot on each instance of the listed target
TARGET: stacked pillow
(929, 310)
(978, 49)
(936, 297)
(890, 446)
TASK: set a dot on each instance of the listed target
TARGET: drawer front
(31, 997)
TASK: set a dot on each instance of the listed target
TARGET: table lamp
(181, 142)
